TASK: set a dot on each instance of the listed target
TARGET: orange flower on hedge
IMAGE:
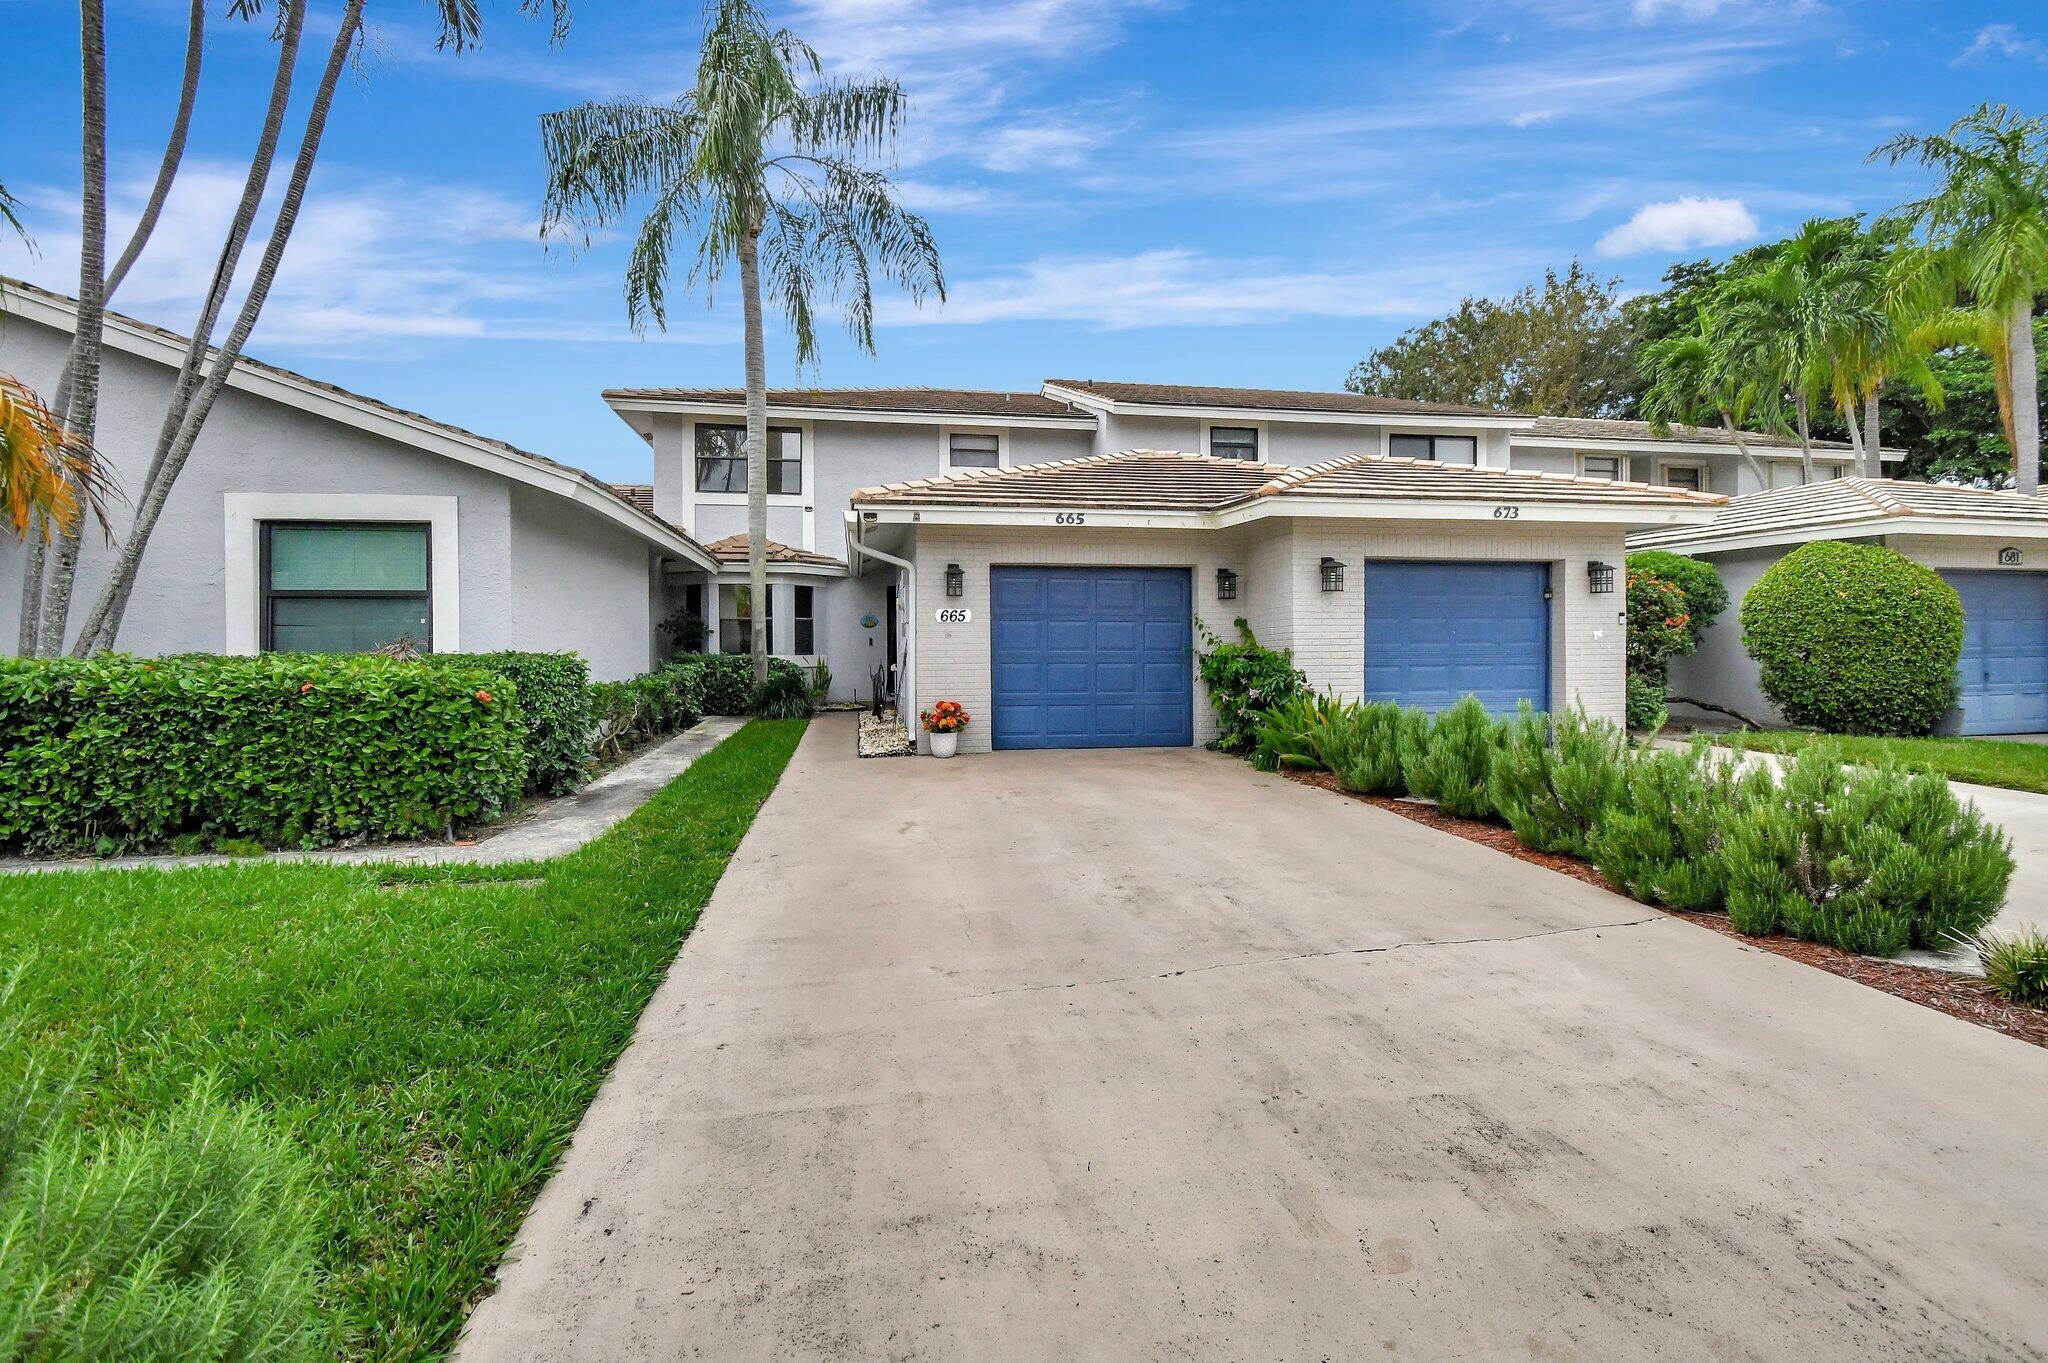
(304, 689)
(485, 696)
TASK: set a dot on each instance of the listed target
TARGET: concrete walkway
(551, 829)
(1143, 1055)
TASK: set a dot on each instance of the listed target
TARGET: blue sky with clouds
(1140, 189)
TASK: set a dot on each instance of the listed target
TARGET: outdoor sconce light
(1333, 575)
(1600, 578)
(956, 581)
(1226, 585)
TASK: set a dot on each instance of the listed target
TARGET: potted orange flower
(943, 722)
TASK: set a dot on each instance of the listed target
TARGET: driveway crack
(1307, 956)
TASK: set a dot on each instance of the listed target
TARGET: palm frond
(10, 214)
(48, 475)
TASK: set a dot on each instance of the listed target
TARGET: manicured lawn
(1985, 761)
(429, 1035)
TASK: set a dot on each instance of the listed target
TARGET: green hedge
(640, 709)
(1706, 596)
(116, 752)
(725, 681)
(1244, 681)
(1855, 639)
(554, 699)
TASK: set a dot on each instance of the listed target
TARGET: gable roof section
(733, 549)
(367, 414)
(1290, 400)
(1207, 491)
(1845, 508)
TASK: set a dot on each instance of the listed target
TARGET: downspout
(906, 688)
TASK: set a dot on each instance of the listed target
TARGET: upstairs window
(722, 459)
(1691, 477)
(736, 619)
(967, 450)
(1610, 466)
(1234, 442)
(805, 637)
(344, 587)
(1444, 449)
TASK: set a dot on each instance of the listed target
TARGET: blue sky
(1248, 193)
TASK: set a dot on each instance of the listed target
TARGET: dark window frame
(776, 466)
(268, 596)
(1620, 462)
(1252, 431)
(1698, 472)
(1434, 441)
(803, 621)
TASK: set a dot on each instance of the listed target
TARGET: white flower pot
(945, 745)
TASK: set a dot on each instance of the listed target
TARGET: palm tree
(10, 214)
(1689, 381)
(47, 478)
(763, 162)
(1989, 215)
(1793, 317)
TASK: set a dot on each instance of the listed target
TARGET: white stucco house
(1992, 547)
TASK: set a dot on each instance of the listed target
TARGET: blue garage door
(2004, 668)
(1437, 631)
(1091, 658)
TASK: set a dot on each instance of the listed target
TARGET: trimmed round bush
(1855, 639)
(1706, 596)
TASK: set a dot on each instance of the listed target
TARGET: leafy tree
(1687, 380)
(1988, 219)
(763, 163)
(1562, 349)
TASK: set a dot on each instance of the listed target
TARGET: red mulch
(1960, 996)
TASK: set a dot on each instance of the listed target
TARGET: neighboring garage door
(1091, 658)
(1437, 631)
(2004, 668)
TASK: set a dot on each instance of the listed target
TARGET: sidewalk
(550, 829)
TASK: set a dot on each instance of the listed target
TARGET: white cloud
(2003, 40)
(367, 262)
(1057, 145)
(1178, 287)
(1680, 225)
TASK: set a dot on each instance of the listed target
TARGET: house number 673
(1507, 513)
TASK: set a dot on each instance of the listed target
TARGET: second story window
(722, 459)
(967, 450)
(1234, 442)
(1608, 466)
(1444, 449)
(1691, 477)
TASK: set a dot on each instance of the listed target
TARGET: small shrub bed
(724, 682)
(2016, 966)
(116, 752)
(637, 711)
(1855, 639)
(1871, 861)
(554, 701)
(1244, 681)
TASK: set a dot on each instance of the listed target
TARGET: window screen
(1601, 466)
(1234, 442)
(969, 451)
(1444, 449)
(805, 637)
(344, 588)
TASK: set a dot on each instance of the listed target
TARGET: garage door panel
(1106, 664)
(1437, 631)
(2002, 676)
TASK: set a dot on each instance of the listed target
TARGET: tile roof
(733, 549)
(1266, 399)
(7, 284)
(919, 401)
(1160, 480)
(639, 494)
(1792, 514)
(1642, 432)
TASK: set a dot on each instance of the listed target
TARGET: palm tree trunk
(1849, 419)
(104, 623)
(2026, 397)
(1873, 445)
(1763, 480)
(81, 405)
(757, 454)
(1800, 406)
(174, 149)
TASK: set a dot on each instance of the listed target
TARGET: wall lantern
(1333, 575)
(956, 581)
(1600, 578)
(1226, 585)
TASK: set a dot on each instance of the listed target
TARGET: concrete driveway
(1134, 1055)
